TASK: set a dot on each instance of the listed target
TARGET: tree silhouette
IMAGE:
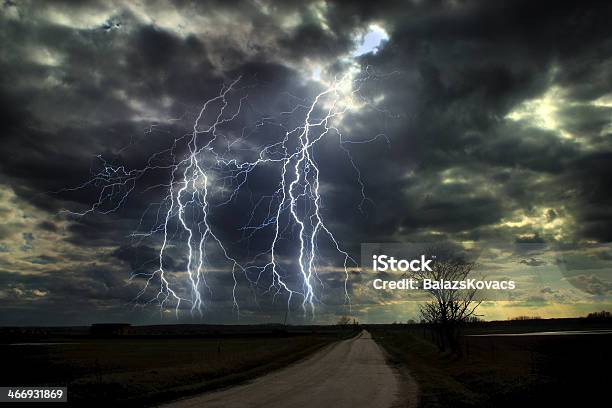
(449, 308)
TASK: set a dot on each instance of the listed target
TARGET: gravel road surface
(351, 373)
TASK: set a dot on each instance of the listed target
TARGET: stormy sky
(485, 122)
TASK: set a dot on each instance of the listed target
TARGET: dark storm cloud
(591, 284)
(83, 79)
(590, 176)
(536, 240)
(311, 40)
(533, 262)
(535, 149)
(473, 64)
(454, 214)
(144, 259)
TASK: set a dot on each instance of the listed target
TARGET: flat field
(147, 370)
(504, 371)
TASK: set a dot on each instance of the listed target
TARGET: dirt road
(351, 373)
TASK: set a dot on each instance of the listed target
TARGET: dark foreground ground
(506, 371)
(139, 370)
(142, 366)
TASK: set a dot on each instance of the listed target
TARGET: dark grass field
(138, 371)
(556, 371)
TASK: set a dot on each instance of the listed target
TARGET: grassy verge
(503, 371)
(137, 372)
(235, 377)
(437, 387)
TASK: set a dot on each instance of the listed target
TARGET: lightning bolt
(202, 164)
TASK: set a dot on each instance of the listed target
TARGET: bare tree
(344, 321)
(449, 308)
